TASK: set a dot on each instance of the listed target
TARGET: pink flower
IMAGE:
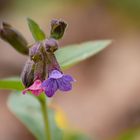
(35, 88)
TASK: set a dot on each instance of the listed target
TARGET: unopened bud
(33, 71)
(53, 65)
(40, 70)
(36, 52)
(14, 38)
(51, 45)
(27, 74)
(57, 28)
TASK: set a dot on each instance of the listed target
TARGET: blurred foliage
(39, 4)
(128, 8)
(131, 7)
(130, 134)
(74, 135)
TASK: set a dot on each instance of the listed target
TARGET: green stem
(45, 113)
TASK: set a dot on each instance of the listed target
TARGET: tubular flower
(35, 88)
(57, 81)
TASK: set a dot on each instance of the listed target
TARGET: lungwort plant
(42, 76)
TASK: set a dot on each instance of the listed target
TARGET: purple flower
(57, 80)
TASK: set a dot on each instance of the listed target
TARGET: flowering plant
(43, 76)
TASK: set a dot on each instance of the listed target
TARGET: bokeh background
(105, 101)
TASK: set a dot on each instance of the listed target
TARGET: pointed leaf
(37, 33)
(73, 54)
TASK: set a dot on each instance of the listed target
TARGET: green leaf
(67, 57)
(11, 84)
(28, 110)
(72, 54)
(37, 33)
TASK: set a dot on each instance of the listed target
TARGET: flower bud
(51, 45)
(53, 65)
(40, 70)
(14, 38)
(33, 71)
(27, 74)
(36, 52)
(57, 28)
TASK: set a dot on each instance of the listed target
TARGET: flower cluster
(42, 62)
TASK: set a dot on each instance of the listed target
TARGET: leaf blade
(11, 84)
(37, 33)
(72, 54)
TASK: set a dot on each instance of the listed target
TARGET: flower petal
(35, 88)
(36, 85)
(45, 83)
(50, 87)
(68, 78)
(55, 74)
(64, 85)
(37, 92)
